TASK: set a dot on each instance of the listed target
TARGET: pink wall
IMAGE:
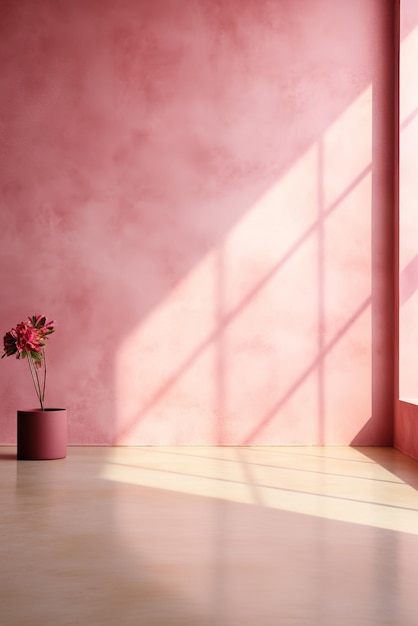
(201, 195)
(406, 422)
(406, 427)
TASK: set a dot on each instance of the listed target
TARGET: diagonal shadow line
(308, 371)
(249, 478)
(316, 456)
(408, 120)
(229, 317)
(408, 283)
(232, 481)
(278, 467)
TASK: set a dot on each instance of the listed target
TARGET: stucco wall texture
(200, 194)
(406, 422)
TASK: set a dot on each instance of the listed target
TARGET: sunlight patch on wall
(408, 91)
(347, 149)
(166, 364)
(243, 341)
(408, 224)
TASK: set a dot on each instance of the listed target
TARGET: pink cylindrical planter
(41, 435)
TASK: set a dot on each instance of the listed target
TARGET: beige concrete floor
(209, 536)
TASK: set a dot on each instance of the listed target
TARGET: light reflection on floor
(209, 536)
(300, 480)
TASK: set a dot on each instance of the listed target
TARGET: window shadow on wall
(142, 142)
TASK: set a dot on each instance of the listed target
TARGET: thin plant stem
(35, 379)
(41, 398)
(31, 369)
(44, 385)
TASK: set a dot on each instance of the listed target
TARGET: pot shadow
(8, 455)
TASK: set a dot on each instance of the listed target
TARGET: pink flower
(27, 338)
(41, 325)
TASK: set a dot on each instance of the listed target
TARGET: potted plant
(41, 432)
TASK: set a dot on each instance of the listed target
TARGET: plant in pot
(41, 432)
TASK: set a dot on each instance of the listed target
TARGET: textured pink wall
(406, 423)
(200, 194)
(408, 253)
(406, 428)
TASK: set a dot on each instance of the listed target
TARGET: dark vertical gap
(384, 228)
(388, 605)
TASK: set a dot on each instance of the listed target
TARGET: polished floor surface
(209, 536)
